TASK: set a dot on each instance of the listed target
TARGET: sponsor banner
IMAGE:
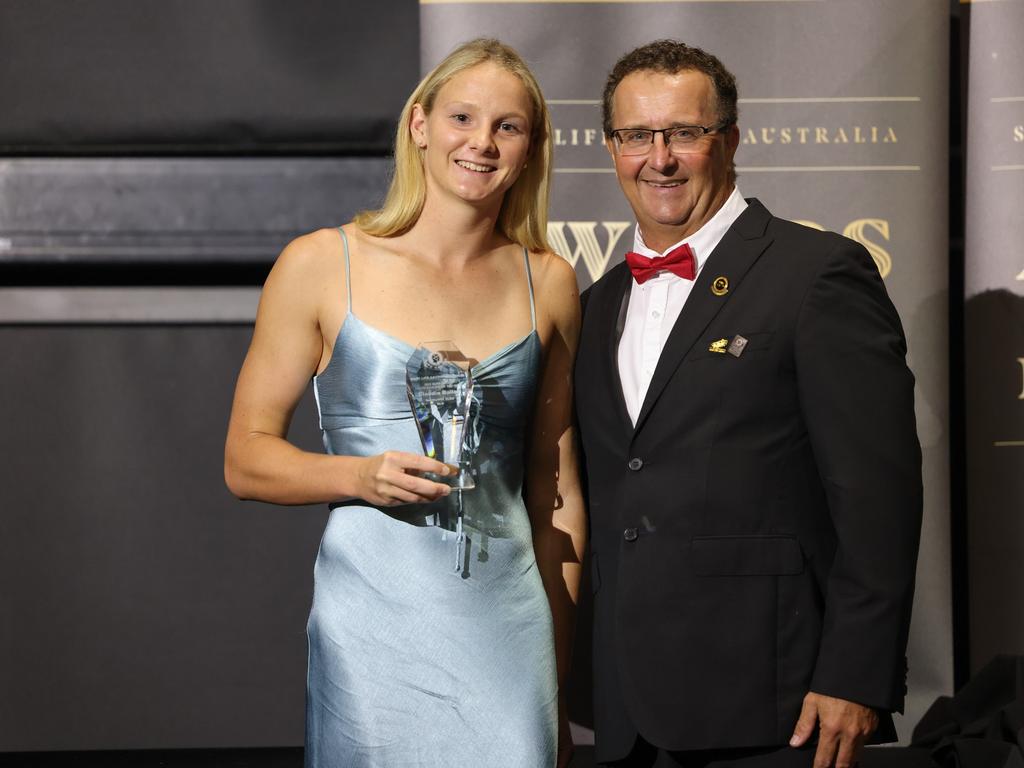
(994, 327)
(843, 120)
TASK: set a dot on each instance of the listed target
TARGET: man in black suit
(754, 474)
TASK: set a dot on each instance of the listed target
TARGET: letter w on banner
(595, 257)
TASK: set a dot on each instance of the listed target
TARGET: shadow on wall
(994, 408)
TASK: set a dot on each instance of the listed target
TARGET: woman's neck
(454, 232)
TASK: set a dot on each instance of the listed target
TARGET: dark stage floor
(878, 757)
(158, 758)
(189, 758)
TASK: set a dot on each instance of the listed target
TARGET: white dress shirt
(655, 305)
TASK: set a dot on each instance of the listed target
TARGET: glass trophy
(439, 383)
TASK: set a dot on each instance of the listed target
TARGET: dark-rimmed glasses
(680, 139)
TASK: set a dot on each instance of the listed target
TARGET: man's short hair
(671, 57)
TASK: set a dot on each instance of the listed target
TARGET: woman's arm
(287, 344)
(553, 493)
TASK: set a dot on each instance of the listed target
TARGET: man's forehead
(688, 89)
(691, 79)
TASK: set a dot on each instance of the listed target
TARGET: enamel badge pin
(736, 346)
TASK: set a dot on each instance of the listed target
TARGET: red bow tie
(678, 261)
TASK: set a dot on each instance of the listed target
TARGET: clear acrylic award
(439, 383)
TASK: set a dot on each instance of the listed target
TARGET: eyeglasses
(680, 140)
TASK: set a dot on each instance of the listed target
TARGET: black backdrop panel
(112, 76)
(202, 211)
(141, 605)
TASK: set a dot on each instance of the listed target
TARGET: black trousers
(646, 755)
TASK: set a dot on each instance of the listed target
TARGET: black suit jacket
(755, 535)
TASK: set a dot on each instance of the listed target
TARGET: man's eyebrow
(674, 124)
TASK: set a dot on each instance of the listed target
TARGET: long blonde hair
(523, 217)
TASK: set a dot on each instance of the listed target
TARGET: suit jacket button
(636, 464)
(630, 534)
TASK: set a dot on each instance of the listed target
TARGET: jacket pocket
(765, 555)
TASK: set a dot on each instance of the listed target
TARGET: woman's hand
(393, 478)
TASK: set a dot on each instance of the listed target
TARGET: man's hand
(844, 727)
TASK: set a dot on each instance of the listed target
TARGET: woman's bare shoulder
(313, 250)
(307, 272)
(554, 277)
(307, 260)
(558, 296)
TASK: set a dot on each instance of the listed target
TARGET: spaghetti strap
(348, 271)
(529, 282)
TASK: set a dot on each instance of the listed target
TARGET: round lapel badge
(720, 286)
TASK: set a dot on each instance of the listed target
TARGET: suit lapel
(743, 243)
(612, 314)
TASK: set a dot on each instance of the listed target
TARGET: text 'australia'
(852, 134)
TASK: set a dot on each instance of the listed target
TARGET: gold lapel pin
(720, 286)
(719, 346)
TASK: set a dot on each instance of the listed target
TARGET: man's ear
(418, 126)
(732, 139)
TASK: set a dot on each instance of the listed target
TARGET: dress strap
(529, 283)
(348, 271)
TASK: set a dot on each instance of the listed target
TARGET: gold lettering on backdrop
(585, 234)
(855, 230)
(821, 134)
(575, 137)
(1021, 361)
(587, 243)
(1018, 133)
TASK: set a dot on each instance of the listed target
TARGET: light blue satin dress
(416, 660)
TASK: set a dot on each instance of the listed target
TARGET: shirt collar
(705, 239)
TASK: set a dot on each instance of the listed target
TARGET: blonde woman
(439, 633)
